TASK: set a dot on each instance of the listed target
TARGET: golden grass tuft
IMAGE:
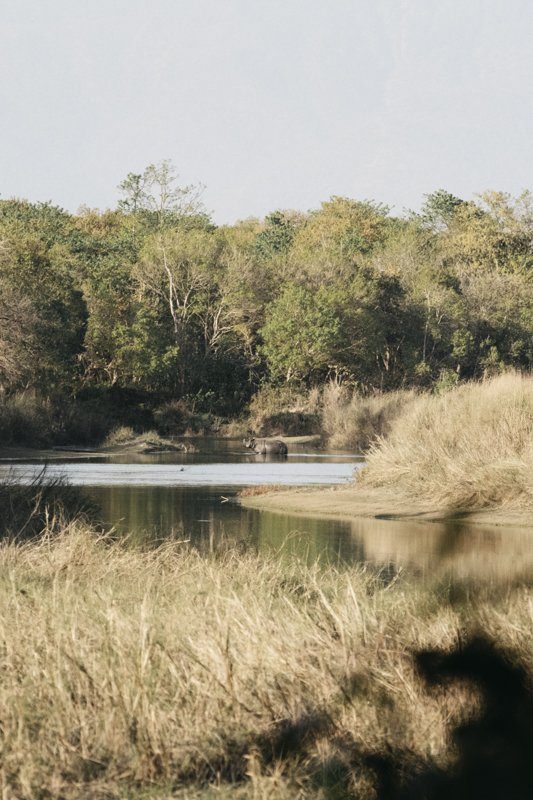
(351, 421)
(471, 447)
(160, 670)
(257, 491)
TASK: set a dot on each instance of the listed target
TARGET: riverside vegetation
(465, 451)
(151, 316)
(468, 448)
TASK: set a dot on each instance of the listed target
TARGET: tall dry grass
(352, 421)
(471, 447)
(153, 672)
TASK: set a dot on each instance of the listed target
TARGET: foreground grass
(174, 673)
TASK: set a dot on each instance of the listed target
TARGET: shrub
(120, 435)
(278, 411)
(29, 421)
(26, 421)
(177, 417)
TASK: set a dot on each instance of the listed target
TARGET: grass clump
(352, 421)
(470, 447)
(120, 435)
(126, 438)
(125, 670)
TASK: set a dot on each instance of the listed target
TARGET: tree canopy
(153, 296)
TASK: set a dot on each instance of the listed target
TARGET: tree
(301, 335)
(40, 272)
(278, 232)
(175, 270)
(439, 209)
(18, 338)
(156, 192)
(337, 237)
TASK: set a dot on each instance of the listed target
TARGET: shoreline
(341, 502)
(350, 503)
(179, 444)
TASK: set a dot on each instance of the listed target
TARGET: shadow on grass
(491, 755)
(493, 747)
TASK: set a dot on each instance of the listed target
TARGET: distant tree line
(154, 297)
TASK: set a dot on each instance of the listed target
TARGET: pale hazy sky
(270, 103)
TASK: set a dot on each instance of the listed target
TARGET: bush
(176, 417)
(26, 421)
(80, 423)
(29, 421)
(120, 435)
(276, 411)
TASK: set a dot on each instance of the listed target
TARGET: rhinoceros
(264, 447)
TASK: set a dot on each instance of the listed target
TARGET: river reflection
(200, 514)
(419, 549)
(207, 510)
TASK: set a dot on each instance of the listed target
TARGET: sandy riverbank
(138, 446)
(350, 502)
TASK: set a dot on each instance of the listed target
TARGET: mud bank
(348, 502)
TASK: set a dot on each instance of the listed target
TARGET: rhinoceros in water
(264, 447)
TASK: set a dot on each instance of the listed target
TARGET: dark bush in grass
(26, 510)
(30, 421)
(177, 417)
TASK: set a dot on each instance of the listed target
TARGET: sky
(268, 103)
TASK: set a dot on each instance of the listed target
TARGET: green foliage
(37, 263)
(440, 208)
(277, 234)
(302, 334)
(152, 298)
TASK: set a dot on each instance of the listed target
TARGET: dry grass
(283, 411)
(169, 671)
(120, 435)
(351, 421)
(471, 447)
(43, 504)
(125, 437)
(257, 491)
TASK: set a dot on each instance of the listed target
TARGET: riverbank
(466, 454)
(177, 672)
(351, 502)
(149, 443)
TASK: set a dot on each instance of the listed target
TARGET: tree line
(153, 297)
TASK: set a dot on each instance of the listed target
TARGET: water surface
(192, 496)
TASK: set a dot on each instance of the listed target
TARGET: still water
(193, 497)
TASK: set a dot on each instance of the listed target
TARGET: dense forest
(151, 302)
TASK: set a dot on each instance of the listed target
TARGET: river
(192, 496)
